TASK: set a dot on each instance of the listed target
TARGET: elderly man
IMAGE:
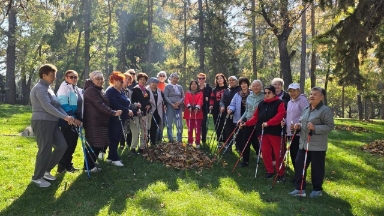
(156, 98)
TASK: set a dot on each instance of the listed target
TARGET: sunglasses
(201, 78)
(268, 92)
(73, 77)
(161, 76)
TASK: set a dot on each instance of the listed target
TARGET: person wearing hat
(133, 74)
(267, 117)
(225, 101)
(156, 98)
(294, 108)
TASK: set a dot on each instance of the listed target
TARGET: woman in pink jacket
(193, 100)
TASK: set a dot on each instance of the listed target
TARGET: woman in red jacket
(193, 114)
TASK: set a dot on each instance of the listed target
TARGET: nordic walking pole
(85, 155)
(242, 152)
(229, 146)
(219, 150)
(285, 156)
(157, 125)
(216, 126)
(261, 142)
(222, 130)
(125, 138)
(305, 163)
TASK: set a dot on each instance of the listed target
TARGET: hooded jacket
(193, 100)
(271, 111)
(294, 109)
(68, 97)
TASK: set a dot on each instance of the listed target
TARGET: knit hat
(95, 74)
(271, 88)
(153, 80)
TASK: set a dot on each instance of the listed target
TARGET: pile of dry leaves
(178, 156)
(375, 148)
(351, 128)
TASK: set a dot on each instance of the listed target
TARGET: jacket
(253, 101)
(228, 95)
(159, 105)
(294, 109)
(271, 111)
(68, 97)
(139, 96)
(322, 117)
(171, 96)
(235, 106)
(118, 101)
(207, 91)
(96, 115)
(284, 96)
(193, 100)
(216, 95)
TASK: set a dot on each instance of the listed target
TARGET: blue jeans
(174, 116)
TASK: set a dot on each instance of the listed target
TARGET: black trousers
(254, 141)
(228, 128)
(204, 128)
(293, 150)
(317, 161)
(70, 136)
(154, 128)
(239, 139)
(218, 125)
(91, 157)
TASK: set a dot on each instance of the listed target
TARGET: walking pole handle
(310, 133)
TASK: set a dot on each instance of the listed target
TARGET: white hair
(257, 81)
(162, 73)
(278, 80)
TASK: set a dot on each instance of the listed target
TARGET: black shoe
(60, 169)
(133, 151)
(122, 146)
(72, 169)
(141, 151)
(269, 175)
(281, 179)
(244, 164)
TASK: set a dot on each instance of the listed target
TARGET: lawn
(353, 184)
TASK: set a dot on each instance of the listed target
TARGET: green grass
(353, 185)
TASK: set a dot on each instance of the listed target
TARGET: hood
(301, 97)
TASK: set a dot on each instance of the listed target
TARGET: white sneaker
(41, 183)
(49, 177)
(108, 160)
(94, 169)
(117, 163)
(197, 146)
(101, 155)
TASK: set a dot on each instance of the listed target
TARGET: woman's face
(142, 81)
(193, 86)
(256, 87)
(315, 98)
(294, 93)
(71, 78)
(161, 77)
(244, 86)
(278, 86)
(268, 94)
(98, 81)
(220, 80)
(127, 81)
(50, 77)
(174, 80)
(232, 82)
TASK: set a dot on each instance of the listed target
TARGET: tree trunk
(10, 96)
(87, 31)
(350, 112)
(106, 63)
(366, 108)
(382, 107)
(313, 54)
(303, 48)
(359, 102)
(254, 50)
(150, 21)
(185, 37)
(342, 101)
(201, 36)
(285, 61)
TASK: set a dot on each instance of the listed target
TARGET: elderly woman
(238, 106)
(156, 98)
(46, 113)
(278, 83)
(224, 103)
(316, 121)
(128, 93)
(214, 103)
(140, 97)
(253, 100)
(161, 76)
(71, 100)
(118, 101)
(174, 96)
(267, 117)
(97, 113)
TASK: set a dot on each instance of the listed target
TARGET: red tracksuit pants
(271, 145)
(194, 125)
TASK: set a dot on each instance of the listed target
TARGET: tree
(10, 97)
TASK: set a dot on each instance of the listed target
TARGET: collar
(318, 105)
(44, 83)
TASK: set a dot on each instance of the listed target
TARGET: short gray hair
(257, 81)
(278, 80)
(95, 74)
(162, 73)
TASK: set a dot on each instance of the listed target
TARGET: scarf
(143, 90)
(244, 97)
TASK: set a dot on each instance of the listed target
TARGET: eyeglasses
(161, 76)
(267, 92)
(201, 78)
(73, 77)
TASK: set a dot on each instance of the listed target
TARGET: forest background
(335, 44)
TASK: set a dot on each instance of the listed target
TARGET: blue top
(118, 101)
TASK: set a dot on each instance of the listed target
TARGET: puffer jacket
(322, 117)
(96, 115)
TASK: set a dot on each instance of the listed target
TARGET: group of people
(134, 109)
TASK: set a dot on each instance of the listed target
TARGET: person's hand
(196, 109)
(130, 113)
(222, 109)
(175, 106)
(311, 126)
(165, 108)
(229, 111)
(118, 112)
(138, 104)
(265, 124)
(69, 119)
(147, 107)
(190, 109)
(291, 127)
(77, 122)
(282, 123)
(297, 126)
(178, 103)
(239, 122)
(242, 124)
(206, 98)
(138, 112)
(210, 107)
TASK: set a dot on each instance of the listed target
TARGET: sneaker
(117, 163)
(133, 151)
(108, 160)
(280, 178)
(244, 164)
(72, 169)
(101, 155)
(41, 183)
(269, 175)
(60, 170)
(315, 194)
(49, 177)
(297, 193)
(94, 169)
(122, 147)
(197, 146)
